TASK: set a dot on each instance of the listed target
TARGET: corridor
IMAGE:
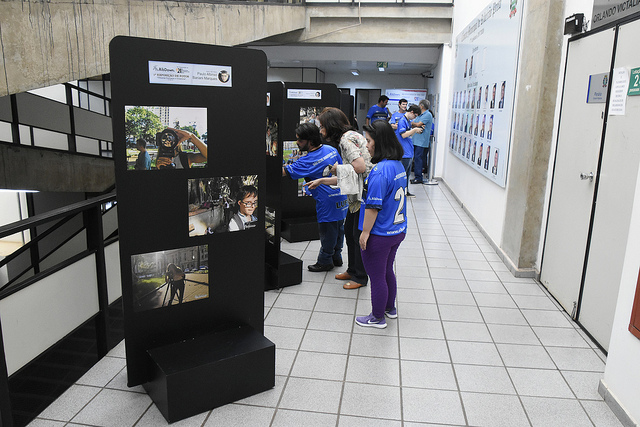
(472, 346)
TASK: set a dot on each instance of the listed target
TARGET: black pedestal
(299, 229)
(203, 373)
(287, 273)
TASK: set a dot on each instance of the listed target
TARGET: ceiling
(402, 60)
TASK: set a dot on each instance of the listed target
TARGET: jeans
(420, 161)
(378, 260)
(352, 235)
(406, 162)
(331, 241)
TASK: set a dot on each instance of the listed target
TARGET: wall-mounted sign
(382, 64)
(484, 81)
(304, 94)
(618, 103)
(413, 96)
(607, 11)
(177, 73)
(597, 89)
(634, 82)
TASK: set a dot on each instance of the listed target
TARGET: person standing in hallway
(402, 108)
(378, 111)
(383, 221)
(421, 142)
(331, 206)
(404, 133)
(349, 177)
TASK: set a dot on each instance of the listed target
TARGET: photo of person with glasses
(222, 203)
(247, 201)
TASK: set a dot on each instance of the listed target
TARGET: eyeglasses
(249, 204)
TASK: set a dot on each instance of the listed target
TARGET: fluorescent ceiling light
(355, 72)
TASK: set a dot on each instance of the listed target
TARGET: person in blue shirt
(421, 142)
(143, 162)
(331, 206)
(404, 133)
(402, 108)
(383, 221)
(378, 111)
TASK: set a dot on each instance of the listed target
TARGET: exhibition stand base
(287, 273)
(197, 375)
(299, 229)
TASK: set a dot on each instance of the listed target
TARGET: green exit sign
(383, 65)
(634, 82)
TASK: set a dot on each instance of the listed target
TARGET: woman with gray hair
(349, 177)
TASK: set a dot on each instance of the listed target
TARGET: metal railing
(24, 297)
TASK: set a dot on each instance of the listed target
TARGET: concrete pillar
(536, 90)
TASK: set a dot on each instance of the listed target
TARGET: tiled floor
(472, 345)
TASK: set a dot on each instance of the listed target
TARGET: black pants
(352, 235)
(177, 289)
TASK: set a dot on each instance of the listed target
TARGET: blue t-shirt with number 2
(384, 189)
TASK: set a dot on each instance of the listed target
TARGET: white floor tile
(504, 335)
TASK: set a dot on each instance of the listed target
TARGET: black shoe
(320, 267)
(337, 262)
(415, 181)
(410, 194)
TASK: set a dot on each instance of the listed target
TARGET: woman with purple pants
(383, 221)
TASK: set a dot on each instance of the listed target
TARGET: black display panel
(301, 102)
(273, 152)
(199, 103)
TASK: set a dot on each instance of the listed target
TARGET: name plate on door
(597, 90)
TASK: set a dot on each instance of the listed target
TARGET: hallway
(472, 345)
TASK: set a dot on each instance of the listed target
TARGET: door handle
(584, 176)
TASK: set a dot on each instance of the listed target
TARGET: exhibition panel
(190, 173)
(281, 269)
(302, 103)
(486, 64)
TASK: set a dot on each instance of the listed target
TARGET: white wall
(440, 85)
(11, 212)
(621, 374)
(381, 81)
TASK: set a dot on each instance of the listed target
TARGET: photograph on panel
(291, 153)
(494, 168)
(171, 277)
(310, 115)
(272, 137)
(165, 137)
(270, 223)
(220, 204)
